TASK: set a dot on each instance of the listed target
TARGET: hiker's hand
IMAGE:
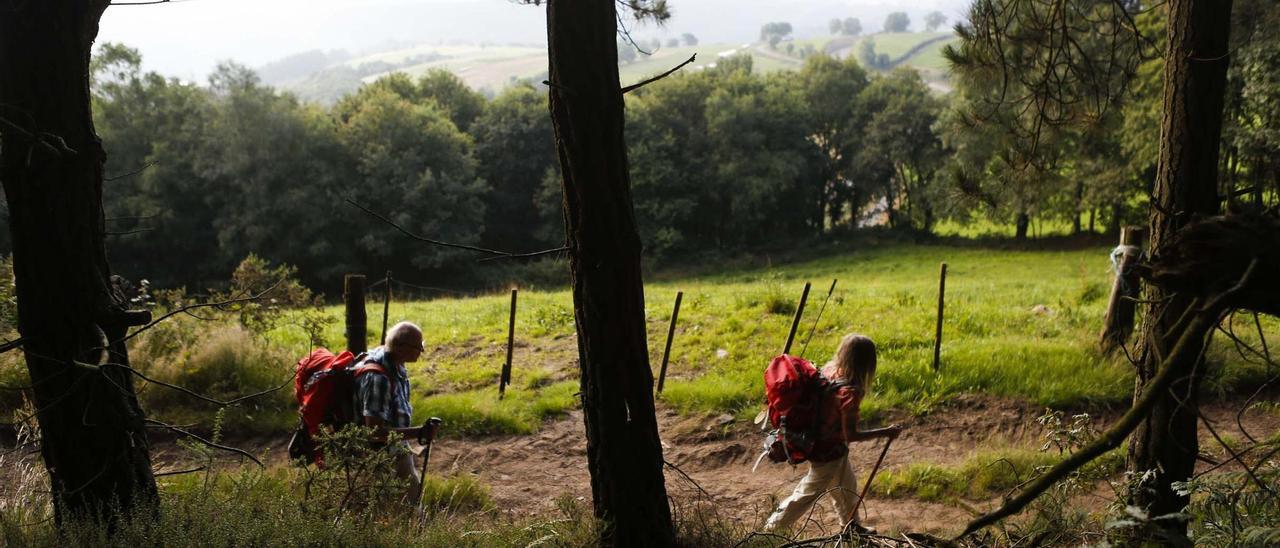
(892, 431)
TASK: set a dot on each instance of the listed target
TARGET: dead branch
(1183, 356)
(177, 472)
(639, 85)
(128, 232)
(186, 308)
(1234, 456)
(206, 442)
(688, 479)
(10, 345)
(188, 391)
(136, 171)
(34, 137)
(406, 232)
(526, 255)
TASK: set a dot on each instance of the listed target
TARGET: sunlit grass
(986, 474)
(1019, 324)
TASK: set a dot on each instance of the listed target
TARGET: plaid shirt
(374, 394)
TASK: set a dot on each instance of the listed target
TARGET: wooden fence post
(937, 337)
(511, 339)
(386, 307)
(795, 322)
(1117, 325)
(353, 297)
(671, 333)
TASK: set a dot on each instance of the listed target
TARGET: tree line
(724, 160)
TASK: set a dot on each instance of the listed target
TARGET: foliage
(514, 148)
(933, 20)
(223, 363)
(775, 32)
(849, 26)
(897, 21)
(1230, 509)
(899, 155)
(276, 289)
(251, 507)
(8, 298)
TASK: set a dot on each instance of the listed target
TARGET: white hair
(400, 332)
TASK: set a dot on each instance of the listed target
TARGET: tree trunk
(1076, 229)
(93, 438)
(624, 455)
(1186, 188)
(1117, 218)
(1021, 224)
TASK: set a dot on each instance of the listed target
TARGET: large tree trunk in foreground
(94, 442)
(1186, 188)
(624, 455)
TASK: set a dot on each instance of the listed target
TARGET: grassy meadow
(1018, 324)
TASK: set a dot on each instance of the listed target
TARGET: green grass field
(1019, 324)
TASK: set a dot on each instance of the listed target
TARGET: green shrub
(226, 363)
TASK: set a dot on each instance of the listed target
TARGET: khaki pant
(407, 470)
(833, 479)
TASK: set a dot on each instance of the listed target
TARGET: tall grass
(1019, 324)
(250, 507)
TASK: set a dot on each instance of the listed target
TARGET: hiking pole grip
(426, 435)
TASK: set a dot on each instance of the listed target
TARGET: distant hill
(326, 76)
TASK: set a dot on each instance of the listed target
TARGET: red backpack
(797, 393)
(325, 389)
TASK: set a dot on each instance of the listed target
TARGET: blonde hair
(855, 360)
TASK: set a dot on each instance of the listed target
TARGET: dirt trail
(528, 473)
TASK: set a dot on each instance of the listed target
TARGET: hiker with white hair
(382, 393)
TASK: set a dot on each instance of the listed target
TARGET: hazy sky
(185, 38)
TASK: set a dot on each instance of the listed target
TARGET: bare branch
(10, 345)
(206, 442)
(526, 255)
(687, 478)
(188, 391)
(134, 172)
(128, 232)
(195, 306)
(406, 232)
(639, 85)
(1173, 366)
(1234, 456)
(177, 472)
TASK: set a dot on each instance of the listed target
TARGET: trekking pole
(815, 320)
(867, 487)
(791, 336)
(386, 308)
(426, 435)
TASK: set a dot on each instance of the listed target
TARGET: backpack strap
(373, 367)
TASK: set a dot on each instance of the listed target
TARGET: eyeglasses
(421, 346)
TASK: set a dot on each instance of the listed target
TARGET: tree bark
(93, 439)
(1196, 62)
(1021, 224)
(624, 455)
